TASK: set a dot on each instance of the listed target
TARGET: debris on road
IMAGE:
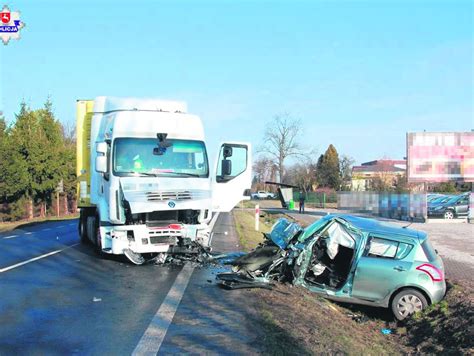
(95, 299)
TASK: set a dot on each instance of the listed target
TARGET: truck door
(232, 176)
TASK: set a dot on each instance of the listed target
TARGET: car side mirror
(226, 167)
(101, 164)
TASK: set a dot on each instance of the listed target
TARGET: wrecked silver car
(348, 259)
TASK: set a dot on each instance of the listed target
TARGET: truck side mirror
(226, 167)
(101, 147)
(227, 151)
(101, 164)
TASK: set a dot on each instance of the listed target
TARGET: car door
(462, 206)
(381, 268)
(232, 176)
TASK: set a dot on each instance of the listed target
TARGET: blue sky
(359, 74)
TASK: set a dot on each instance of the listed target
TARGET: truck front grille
(160, 196)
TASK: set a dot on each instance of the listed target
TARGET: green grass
(9, 226)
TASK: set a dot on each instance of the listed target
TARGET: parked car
(455, 206)
(434, 197)
(438, 200)
(347, 259)
(261, 194)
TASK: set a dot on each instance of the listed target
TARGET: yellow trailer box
(84, 112)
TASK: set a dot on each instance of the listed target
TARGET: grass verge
(245, 225)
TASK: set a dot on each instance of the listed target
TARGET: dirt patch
(446, 327)
(297, 321)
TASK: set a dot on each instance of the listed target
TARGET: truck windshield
(184, 158)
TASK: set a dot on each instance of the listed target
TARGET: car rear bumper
(437, 291)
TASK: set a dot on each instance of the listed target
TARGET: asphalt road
(59, 297)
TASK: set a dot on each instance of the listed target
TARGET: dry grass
(245, 225)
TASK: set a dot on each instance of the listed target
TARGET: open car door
(232, 176)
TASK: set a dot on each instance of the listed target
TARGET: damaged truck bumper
(144, 239)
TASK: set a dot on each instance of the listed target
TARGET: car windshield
(440, 199)
(139, 156)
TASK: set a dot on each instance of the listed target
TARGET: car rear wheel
(407, 302)
(449, 214)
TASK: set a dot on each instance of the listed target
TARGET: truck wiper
(183, 174)
(143, 174)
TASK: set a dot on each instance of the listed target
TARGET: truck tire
(91, 229)
(98, 239)
(82, 226)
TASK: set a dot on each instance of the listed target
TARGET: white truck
(145, 185)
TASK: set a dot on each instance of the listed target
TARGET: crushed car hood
(283, 232)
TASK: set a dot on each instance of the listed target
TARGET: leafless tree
(345, 165)
(303, 175)
(264, 170)
(282, 140)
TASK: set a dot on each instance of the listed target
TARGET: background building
(376, 174)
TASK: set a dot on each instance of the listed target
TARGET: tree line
(37, 161)
(282, 140)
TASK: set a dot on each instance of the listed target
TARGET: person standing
(302, 199)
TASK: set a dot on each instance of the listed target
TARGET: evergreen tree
(320, 178)
(328, 170)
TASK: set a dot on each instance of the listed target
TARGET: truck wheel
(82, 226)
(98, 242)
(449, 214)
(407, 302)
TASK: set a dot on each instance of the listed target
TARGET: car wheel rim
(409, 304)
(448, 215)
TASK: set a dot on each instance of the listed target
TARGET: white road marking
(213, 222)
(28, 233)
(34, 259)
(10, 237)
(46, 229)
(61, 226)
(154, 335)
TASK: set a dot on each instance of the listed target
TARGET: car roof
(376, 226)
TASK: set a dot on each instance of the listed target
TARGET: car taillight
(174, 226)
(435, 273)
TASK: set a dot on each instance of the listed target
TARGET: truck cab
(145, 183)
